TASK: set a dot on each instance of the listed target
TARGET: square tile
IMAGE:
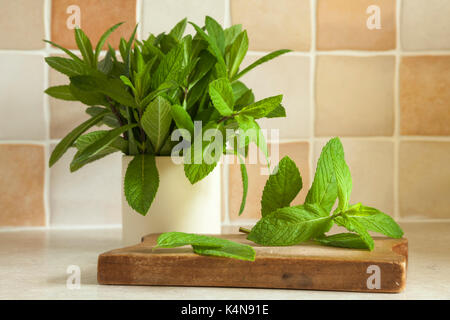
(64, 115)
(290, 76)
(95, 17)
(355, 96)
(89, 196)
(424, 179)
(273, 25)
(22, 97)
(371, 165)
(22, 185)
(162, 16)
(22, 24)
(425, 25)
(297, 151)
(425, 95)
(344, 24)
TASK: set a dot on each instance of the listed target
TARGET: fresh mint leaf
(215, 33)
(207, 245)
(324, 190)
(221, 94)
(238, 51)
(141, 182)
(261, 108)
(61, 92)
(156, 121)
(178, 31)
(278, 112)
(182, 119)
(67, 66)
(69, 139)
(170, 68)
(353, 224)
(282, 187)
(244, 176)
(288, 226)
(374, 220)
(232, 33)
(343, 240)
(103, 39)
(85, 46)
(261, 60)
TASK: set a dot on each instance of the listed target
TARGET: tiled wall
(385, 91)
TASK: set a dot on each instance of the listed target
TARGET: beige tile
(96, 16)
(425, 95)
(22, 24)
(89, 196)
(342, 24)
(21, 97)
(355, 96)
(298, 151)
(424, 179)
(371, 165)
(273, 25)
(425, 25)
(64, 115)
(161, 16)
(289, 76)
(22, 185)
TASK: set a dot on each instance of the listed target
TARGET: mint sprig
(206, 245)
(282, 225)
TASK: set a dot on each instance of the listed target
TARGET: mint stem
(244, 230)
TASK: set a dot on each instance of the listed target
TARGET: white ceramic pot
(178, 205)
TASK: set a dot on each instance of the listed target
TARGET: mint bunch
(205, 245)
(282, 225)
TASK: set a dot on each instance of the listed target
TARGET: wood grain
(305, 266)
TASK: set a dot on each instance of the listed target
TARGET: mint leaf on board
(374, 220)
(282, 187)
(288, 226)
(141, 182)
(343, 240)
(353, 225)
(323, 190)
(207, 245)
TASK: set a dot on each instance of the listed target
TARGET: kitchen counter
(33, 265)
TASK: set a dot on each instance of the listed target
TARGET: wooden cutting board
(305, 266)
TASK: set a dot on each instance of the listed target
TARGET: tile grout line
(46, 106)
(397, 115)
(225, 169)
(312, 88)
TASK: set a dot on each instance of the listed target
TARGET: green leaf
(156, 121)
(141, 182)
(178, 31)
(97, 148)
(197, 171)
(221, 95)
(207, 245)
(68, 52)
(374, 220)
(282, 187)
(112, 87)
(244, 177)
(110, 119)
(170, 68)
(66, 66)
(249, 131)
(232, 33)
(102, 40)
(89, 138)
(342, 173)
(261, 60)
(69, 139)
(343, 240)
(288, 226)
(323, 190)
(237, 53)
(61, 92)
(85, 46)
(215, 33)
(353, 224)
(90, 98)
(262, 108)
(182, 119)
(278, 112)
